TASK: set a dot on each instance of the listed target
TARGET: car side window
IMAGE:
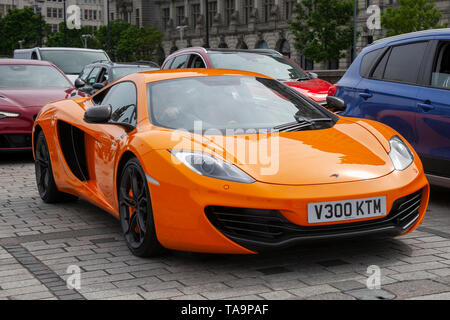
(104, 76)
(368, 61)
(196, 62)
(92, 78)
(168, 64)
(123, 100)
(440, 77)
(378, 72)
(84, 74)
(180, 62)
(404, 62)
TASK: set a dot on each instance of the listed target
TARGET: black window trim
(418, 81)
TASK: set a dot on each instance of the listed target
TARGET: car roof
(159, 75)
(60, 48)
(26, 61)
(118, 65)
(412, 35)
(227, 50)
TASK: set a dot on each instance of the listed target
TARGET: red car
(264, 61)
(25, 87)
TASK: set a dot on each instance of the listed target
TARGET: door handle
(366, 95)
(426, 106)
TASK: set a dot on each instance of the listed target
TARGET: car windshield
(274, 66)
(119, 72)
(31, 76)
(227, 102)
(72, 61)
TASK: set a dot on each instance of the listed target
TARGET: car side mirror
(313, 75)
(79, 83)
(98, 86)
(335, 103)
(98, 114)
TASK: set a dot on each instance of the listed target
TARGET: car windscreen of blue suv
(404, 82)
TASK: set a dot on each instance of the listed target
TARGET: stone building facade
(254, 24)
(92, 11)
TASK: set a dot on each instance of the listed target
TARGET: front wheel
(136, 214)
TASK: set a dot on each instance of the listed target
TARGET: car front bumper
(182, 204)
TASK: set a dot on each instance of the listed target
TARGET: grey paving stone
(371, 294)
(409, 289)
(313, 290)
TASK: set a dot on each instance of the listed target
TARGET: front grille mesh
(270, 226)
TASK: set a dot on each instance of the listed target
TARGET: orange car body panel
(355, 148)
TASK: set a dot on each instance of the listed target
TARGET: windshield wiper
(299, 124)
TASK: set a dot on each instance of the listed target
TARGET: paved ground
(38, 242)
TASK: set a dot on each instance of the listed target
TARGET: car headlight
(5, 114)
(209, 166)
(400, 154)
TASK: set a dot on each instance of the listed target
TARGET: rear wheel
(44, 175)
(136, 214)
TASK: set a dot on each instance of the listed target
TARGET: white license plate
(320, 212)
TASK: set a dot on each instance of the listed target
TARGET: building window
(289, 7)
(165, 17)
(368, 3)
(195, 13)
(248, 6)
(138, 18)
(212, 11)
(261, 45)
(229, 9)
(333, 65)
(180, 16)
(268, 4)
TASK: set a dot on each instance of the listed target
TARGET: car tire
(45, 181)
(135, 210)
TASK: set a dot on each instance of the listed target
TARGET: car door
(389, 92)
(123, 99)
(433, 117)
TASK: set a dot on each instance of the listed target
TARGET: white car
(70, 60)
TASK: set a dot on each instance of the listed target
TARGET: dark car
(264, 61)
(404, 82)
(25, 87)
(98, 74)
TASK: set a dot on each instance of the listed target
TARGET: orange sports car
(226, 161)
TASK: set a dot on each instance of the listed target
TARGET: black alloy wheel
(135, 209)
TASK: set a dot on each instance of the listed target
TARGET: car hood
(316, 89)
(33, 97)
(346, 152)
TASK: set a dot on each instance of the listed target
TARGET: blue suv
(404, 82)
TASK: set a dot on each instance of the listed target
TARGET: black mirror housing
(98, 114)
(79, 83)
(335, 103)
